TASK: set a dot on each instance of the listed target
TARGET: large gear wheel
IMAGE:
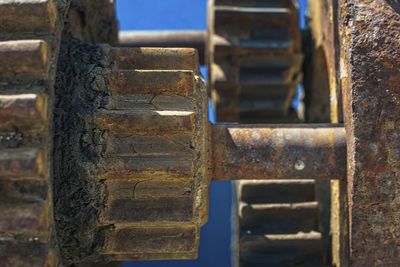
(30, 38)
(254, 58)
(30, 35)
(255, 65)
(71, 193)
(277, 224)
(102, 150)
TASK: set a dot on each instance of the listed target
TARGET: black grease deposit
(79, 197)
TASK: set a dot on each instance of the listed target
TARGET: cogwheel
(30, 33)
(254, 59)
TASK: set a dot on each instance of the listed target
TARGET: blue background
(215, 238)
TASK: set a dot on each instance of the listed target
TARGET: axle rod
(278, 152)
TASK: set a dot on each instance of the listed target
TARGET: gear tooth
(22, 163)
(23, 191)
(154, 82)
(23, 110)
(178, 242)
(279, 218)
(149, 166)
(24, 56)
(239, 20)
(38, 255)
(24, 205)
(262, 249)
(157, 58)
(145, 122)
(120, 144)
(173, 209)
(256, 3)
(24, 218)
(267, 99)
(22, 16)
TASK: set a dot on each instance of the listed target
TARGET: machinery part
(324, 103)
(138, 155)
(254, 59)
(157, 180)
(28, 50)
(142, 102)
(323, 95)
(297, 257)
(93, 21)
(254, 67)
(142, 153)
(30, 35)
(112, 106)
(277, 224)
(370, 79)
(280, 152)
(96, 219)
(174, 39)
(317, 101)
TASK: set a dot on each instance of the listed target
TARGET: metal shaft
(192, 39)
(278, 152)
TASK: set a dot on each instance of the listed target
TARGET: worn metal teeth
(254, 59)
(27, 41)
(277, 224)
(154, 158)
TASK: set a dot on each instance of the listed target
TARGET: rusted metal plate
(278, 152)
(370, 74)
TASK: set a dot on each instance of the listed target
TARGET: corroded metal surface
(194, 39)
(323, 99)
(254, 59)
(278, 152)
(28, 47)
(370, 73)
(155, 155)
(148, 135)
(93, 21)
(133, 144)
(323, 95)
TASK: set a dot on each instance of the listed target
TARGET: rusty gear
(254, 59)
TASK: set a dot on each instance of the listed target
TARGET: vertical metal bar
(370, 73)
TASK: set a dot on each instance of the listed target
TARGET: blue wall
(161, 14)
